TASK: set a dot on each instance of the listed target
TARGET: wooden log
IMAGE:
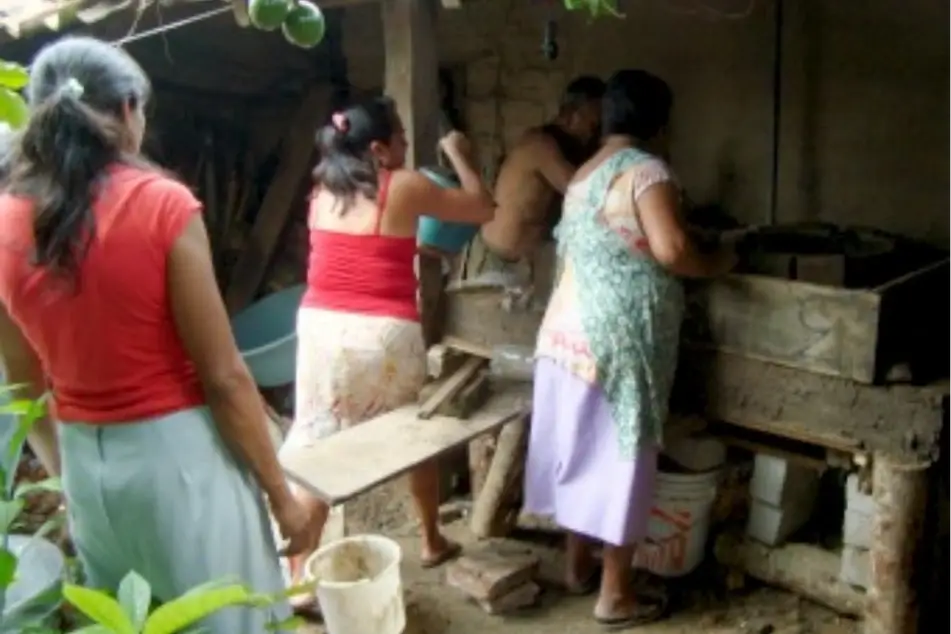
(806, 570)
(292, 172)
(493, 514)
(900, 496)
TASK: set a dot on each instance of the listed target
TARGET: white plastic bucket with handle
(359, 585)
(679, 523)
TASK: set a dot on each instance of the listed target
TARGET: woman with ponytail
(360, 343)
(109, 301)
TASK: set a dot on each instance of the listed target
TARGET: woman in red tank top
(360, 345)
(108, 300)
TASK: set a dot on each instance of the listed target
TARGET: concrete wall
(865, 108)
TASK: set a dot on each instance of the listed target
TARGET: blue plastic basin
(448, 237)
(266, 332)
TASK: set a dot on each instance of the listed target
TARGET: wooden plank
(293, 169)
(827, 411)
(412, 74)
(476, 316)
(450, 387)
(391, 445)
(822, 329)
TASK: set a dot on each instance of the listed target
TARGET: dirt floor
(435, 608)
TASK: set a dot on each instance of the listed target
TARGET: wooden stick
(491, 515)
(450, 387)
(900, 494)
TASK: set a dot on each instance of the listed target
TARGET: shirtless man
(530, 185)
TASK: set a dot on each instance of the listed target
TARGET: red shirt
(366, 274)
(107, 341)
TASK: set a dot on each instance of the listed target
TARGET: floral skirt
(351, 368)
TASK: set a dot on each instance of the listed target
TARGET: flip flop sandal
(649, 609)
(451, 551)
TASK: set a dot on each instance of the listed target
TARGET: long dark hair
(79, 93)
(347, 167)
(636, 103)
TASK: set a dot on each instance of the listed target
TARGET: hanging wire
(162, 28)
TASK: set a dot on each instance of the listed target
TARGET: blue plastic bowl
(266, 332)
(448, 237)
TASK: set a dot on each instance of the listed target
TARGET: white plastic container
(359, 585)
(679, 523)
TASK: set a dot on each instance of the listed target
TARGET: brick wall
(864, 125)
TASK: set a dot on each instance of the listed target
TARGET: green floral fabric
(630, 307)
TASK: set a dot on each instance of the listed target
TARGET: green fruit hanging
(268, 15)
(305, 25)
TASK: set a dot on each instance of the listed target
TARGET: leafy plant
(128, 612)
(13, 78)
(26, 413)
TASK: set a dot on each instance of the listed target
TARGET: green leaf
(32, 413)
(135, 596)
(13, 76)
(100, 608)
(193, 607)
(8, 568)
(13, 110)
(93, 629)
(49, 485)
(9, 511)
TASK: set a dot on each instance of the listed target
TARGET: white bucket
(679, 523)
(359, 586)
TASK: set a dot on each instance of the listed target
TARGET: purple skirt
(574, 470)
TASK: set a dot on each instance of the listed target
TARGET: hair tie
(72, 87)
(340, 122)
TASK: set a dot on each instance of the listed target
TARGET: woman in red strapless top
(360, 344)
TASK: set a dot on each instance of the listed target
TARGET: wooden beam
(412, 74)
(294, 166)
(391, 445)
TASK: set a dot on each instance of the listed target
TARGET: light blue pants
(166, 498)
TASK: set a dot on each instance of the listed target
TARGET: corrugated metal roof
(23, 18)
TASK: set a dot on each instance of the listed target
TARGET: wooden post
(412, 81)
(900, 493)
(412, 74)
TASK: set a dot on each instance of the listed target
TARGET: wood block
(493, 571)
(521, 597)
(392, 444)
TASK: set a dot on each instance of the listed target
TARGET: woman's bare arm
(658, 209)
(422, 197)
(203, 325)
(23, 367)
